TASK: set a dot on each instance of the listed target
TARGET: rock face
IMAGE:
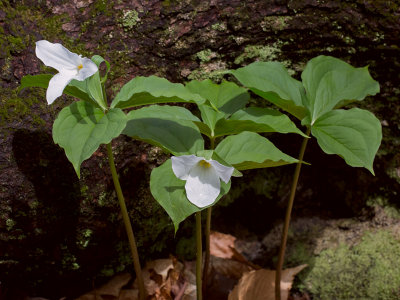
(55, 228)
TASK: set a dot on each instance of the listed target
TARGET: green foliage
(248, 150)
(328, 83)
(210, 118)
(95, 90)
(226, 97)
(169, 192)
(150, 90)
(75, 88)
(369, 270)
(80, 128)
(168, 127)
(256, 119)
(357, 144)
(271, 81)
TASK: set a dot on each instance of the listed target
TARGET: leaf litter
(229, 273)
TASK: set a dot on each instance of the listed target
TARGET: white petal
(202, 186)
(181, 165)
(88, 69)
(57, 84)
(223, 172)
(57, 56)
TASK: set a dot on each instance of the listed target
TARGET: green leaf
(97, 59)
(271, 81)
(168, 127)
(80, 128)
(256, 119)
(331, 83)
(95, 90)
(167, 112)
(75, 88)
(150, 90)
(249, 150)
(226, 97)
(210, 117)
(169, 192)
(353, 134)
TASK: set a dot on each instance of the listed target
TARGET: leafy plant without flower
(327, 85)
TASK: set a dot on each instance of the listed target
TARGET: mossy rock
(369, 270)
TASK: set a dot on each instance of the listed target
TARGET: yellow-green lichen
(259, 52)
(275, 23)
(219, 27)
(204, 73)
(10, 223)
(206, 55)
(129, 19)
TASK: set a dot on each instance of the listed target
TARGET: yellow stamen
(80, 66)
(204, 164)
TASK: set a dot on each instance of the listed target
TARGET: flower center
(80, 67)
(204, 164)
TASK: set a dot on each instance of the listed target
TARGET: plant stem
(207, 234)
(281, 255)
(199, 256)
(128, 225)
(207, 254)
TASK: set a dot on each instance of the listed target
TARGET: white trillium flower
(69, 65)
(202, 177)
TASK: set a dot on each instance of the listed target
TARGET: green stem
(207, 234)
(281, 255)
(207, 254)
(198, 256)
(128, 225)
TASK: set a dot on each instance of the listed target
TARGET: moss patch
(368, 270)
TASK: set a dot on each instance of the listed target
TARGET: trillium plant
(327, 85)
(234, 145)
(197, 176)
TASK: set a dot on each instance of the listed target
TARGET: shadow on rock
(41, 244)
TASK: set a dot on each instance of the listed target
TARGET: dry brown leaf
(161, 267)
(221, 244)
(260, 285)
(189, 277)
(163, 278)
